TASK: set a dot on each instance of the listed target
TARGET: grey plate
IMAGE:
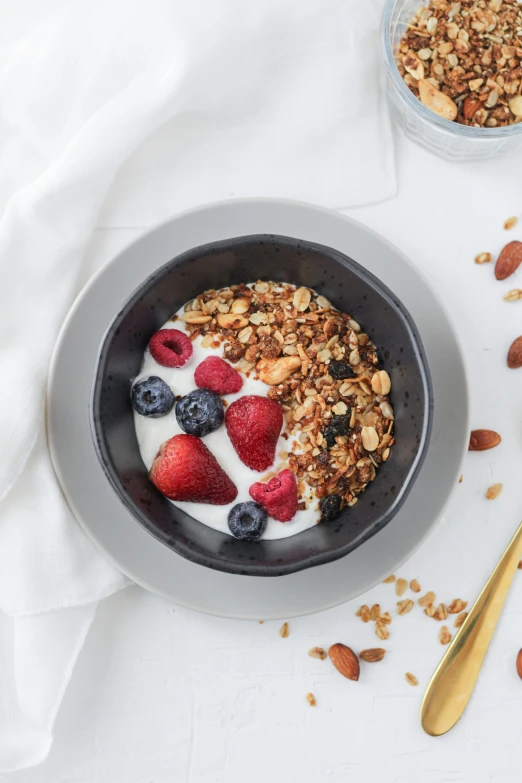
(145, 559)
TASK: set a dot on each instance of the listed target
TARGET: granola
(464, 60)
(323, 369)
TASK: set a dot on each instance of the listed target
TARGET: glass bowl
(448, 139)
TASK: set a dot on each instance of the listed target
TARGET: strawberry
(170, 347)
(253, 425)
(215, 374)
(278, 496)
(185, 469)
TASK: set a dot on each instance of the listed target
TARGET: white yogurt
(151, 433)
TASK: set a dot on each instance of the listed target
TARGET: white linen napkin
(138, 109)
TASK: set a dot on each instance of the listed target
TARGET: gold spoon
(451, 686)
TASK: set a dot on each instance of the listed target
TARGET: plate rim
(204, 211)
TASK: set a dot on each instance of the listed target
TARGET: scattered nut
(481, 440)
(509, 260)
(345, 661)
(436, 100)
(514, 357)
(494, 491)
(277, 371)
(519, 664)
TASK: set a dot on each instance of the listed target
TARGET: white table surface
(164, 695)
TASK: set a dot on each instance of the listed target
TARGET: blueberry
(200, 412)
(247, 521)
(330, 508)
(340, 370)
(152, 397)
(339, 425)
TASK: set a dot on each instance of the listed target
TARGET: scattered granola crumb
(405, 606)
(401, 587)
(389, 579)
(261, 622)
(510, 223)
(381, 630)
(460, 619)
(375, 612)
(284, 631)
(317, 652)
(483, 258)
(372, 655)
(461, 479)
(494, 491)
(457, 606)
(520, 565)
(310, 698)
(444, 635)
(415, 586)
(411, 678)
(427, 599)
(363, 613)
(430, 610)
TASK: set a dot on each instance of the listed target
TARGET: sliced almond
(231, 321)
(196, 317)
(240, 305)
(436, 101)
(302, 299)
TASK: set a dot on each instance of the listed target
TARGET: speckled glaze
(350, 288)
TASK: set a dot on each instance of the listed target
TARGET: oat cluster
(464, 60)
(321, 367)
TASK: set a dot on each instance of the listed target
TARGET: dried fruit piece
(494, 491)
(372, 655)
(481, 440)
(415, 586)
(317, 652)
(284, 631)
(436, 101)
(514, 358)
(444, 635)
(427, 599)
(483, 258)
(401, 586)
(411, 678)
(310, 698)
(510, 223)
(509, 260)
(345, 661)
(519, 664)
(403, 607)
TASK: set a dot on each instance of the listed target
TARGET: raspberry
(170, 348)
(278, 496)
(215, 374)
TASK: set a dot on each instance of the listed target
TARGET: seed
(389, 579)
(403, 607)
(284, 631)
(457, 605)
(494, 491)
(381, 630)
(381, 382)
(510, 223)
(196, 317)
(375, 612)
(370, 439)
(427, 599)
(372, 655)
(240, 305)
(415, 586)
(460, 619)
(483, 258)
(444, 635)
(401, 586)
(411, 678)
(310, 698)
(387, 410)
(514, 295)
(317, 652)
(301, 299)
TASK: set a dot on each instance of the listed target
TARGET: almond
(514, 358)
(240, 305)
(481, 440)
(232, 321)
(345, 661)
(196, 317)
(372, 655)
(509, 260)
(519, 664)
(274, 372)
(471, 106)
(436, 100)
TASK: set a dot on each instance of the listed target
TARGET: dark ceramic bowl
(352, 289)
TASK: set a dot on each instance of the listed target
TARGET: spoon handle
(452, 684)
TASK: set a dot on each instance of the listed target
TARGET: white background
(164, 695)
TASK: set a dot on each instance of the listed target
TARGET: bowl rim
(313, 559)
(446, 126)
